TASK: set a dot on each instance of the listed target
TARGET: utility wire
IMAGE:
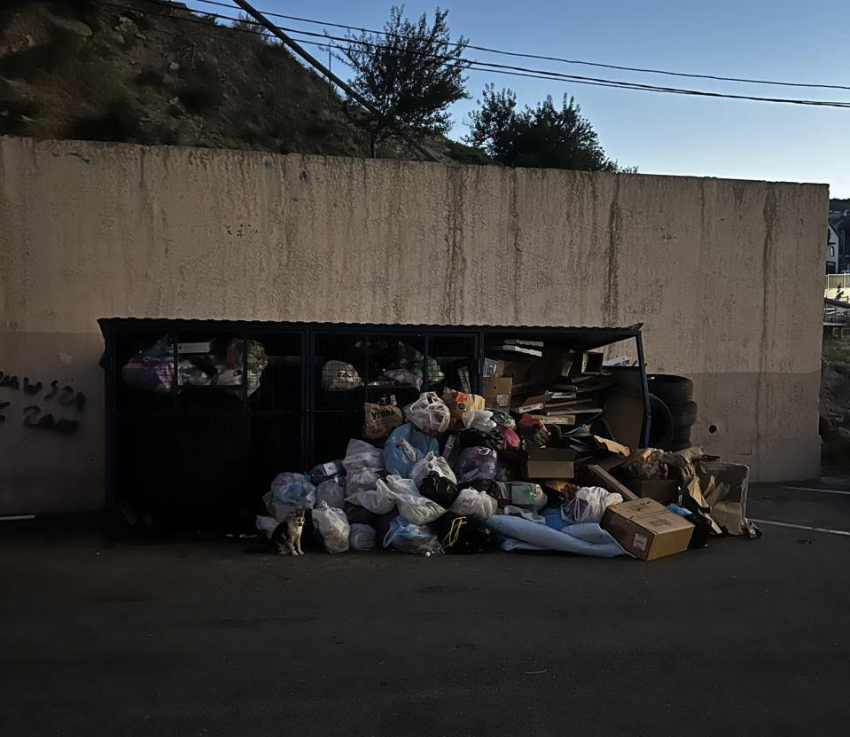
(561, 60)
(505, 69)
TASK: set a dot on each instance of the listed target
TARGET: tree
(410, 73)
(544, 136)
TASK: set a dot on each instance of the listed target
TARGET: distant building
(833, 250)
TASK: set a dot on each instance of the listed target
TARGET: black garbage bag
(359, 515)
(462, 535)
(382, 525)
(477, 439)
(439, 489)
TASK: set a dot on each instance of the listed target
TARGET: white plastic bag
(360, 454)
(267, 525)
(379, 500)
(332, 525)
(418, 510)
(479, 419)
(363, 462)
(361, 480)
(588, 505)
(338, 376)
(332, 491)
(472, 503)
(362, 537)
(398, 485)
(431, 465)
(276, 509)
(429, 413)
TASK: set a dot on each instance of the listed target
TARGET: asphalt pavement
(741, 638)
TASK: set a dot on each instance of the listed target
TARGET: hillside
(155, 73)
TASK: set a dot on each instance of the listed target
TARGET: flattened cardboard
(497, 393)
(555, 419)
(533, 403)
(550, 463)
(646, 529)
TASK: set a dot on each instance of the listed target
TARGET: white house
(832, 251)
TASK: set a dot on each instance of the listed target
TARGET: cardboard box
(497, 393)
(661, 491)
(550, 463)
(646, 529)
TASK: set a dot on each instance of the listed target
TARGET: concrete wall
(727, 276)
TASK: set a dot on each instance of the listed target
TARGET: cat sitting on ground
(287, 535)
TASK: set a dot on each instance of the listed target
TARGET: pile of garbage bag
(197, 365)
(457, 478)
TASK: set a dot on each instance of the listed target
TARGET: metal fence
(835, 314)
(838, 281)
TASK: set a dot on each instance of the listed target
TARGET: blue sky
(660, 133)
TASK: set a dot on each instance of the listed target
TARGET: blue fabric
(583, 539)
(553, 519)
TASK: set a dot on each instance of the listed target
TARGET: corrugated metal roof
(581, 337)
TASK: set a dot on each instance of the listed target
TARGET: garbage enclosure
(201, 415)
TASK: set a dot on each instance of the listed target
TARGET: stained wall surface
(726, 275)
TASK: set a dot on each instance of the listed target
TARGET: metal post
(647, 409)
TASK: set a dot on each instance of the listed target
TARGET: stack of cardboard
(556, 387)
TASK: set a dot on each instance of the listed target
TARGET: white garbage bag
(431, 465)
(418, 509)
(479, 419)
(429, 413)
(589, 505)
(362, 537)
(379, 500)
(398, 485)
(267, 525)
(332, 491)
(332, 525)
(472, 503)
(338, 376)
(362, 462)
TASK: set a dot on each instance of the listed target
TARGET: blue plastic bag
(294, 489)
(406, 537)
(406, 447)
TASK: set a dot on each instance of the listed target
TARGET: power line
(393, 123)
(513, 71)
(558, 59)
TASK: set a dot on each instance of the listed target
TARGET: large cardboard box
(551, 463)
(497, 393)
(647, 529)
(662, 491)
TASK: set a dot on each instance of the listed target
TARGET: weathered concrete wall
(727, 276)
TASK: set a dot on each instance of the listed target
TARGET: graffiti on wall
(44, 407)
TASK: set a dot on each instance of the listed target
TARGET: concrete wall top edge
(133, 148)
